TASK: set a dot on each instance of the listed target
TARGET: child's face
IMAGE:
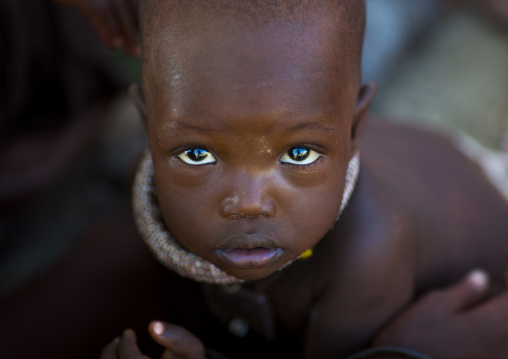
(250, 134)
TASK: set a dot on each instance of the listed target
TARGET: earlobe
(365, 97)
(137, 96)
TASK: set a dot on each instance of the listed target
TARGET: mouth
(249, 252)
(250, 258)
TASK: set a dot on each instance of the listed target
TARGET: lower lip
(250, 258)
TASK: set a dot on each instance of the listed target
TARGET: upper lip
(249, 241)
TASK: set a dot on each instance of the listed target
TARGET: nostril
(239, 211)
(248, 205)
(229, 206)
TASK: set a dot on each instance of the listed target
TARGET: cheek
(186, 199)
(315, 209)
(307, 202)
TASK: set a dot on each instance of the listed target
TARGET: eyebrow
(315, 126)
(178, 125)
(312, 126)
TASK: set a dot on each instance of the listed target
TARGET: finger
(127, 347)
(177, 340)
(498, 305)
(468, 292)
(110, 350)
(491, 316)
(127, 25)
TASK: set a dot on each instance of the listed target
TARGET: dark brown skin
(72, 311)
(425, 228)
(465, 326)
(411, 225)
(444, 324)
(248, 116)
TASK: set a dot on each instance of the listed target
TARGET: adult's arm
(458, 322)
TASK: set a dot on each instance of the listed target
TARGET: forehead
(218, 68)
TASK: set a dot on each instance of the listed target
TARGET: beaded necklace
(171, 253)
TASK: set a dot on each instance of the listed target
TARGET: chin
(251, 275)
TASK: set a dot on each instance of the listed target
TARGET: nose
(250, 196)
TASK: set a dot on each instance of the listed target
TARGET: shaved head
(244, 82)
(174, 17)
(257, 10)
(251, 55)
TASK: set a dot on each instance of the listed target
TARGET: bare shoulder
(459, 219)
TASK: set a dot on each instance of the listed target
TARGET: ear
(365, 97)
(137, 96)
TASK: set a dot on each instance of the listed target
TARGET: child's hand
(116, 21)
(455, 323)
(177, 341)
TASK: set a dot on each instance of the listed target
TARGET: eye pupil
(299, 153)
(197, 154)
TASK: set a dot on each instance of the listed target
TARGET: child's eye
(300, 156)
(197, 157)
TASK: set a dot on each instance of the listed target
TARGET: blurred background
(70, 137)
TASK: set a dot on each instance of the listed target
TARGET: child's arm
(116, 21)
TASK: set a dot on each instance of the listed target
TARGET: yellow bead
(308, 253)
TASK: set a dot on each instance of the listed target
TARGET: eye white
(197, 157)
(300, 156)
